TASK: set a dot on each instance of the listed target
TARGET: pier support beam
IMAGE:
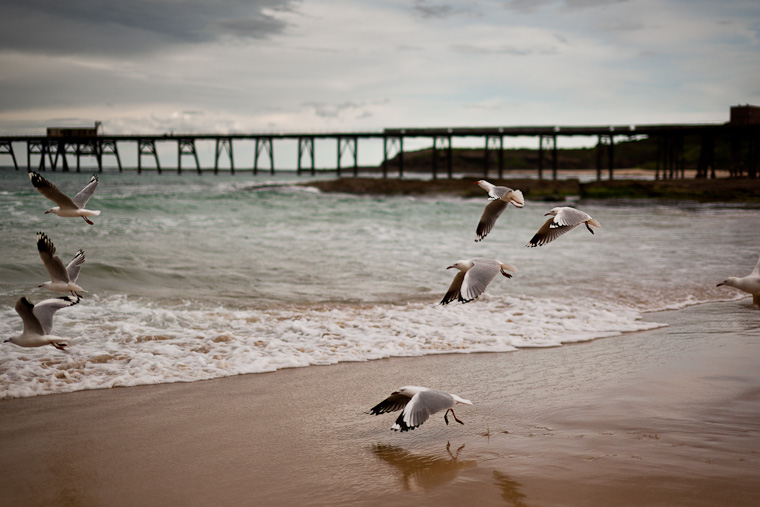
(263, 144)
(186, 147)
(389, 143)
(493, 143)
(349, 144)
(305, 145)
(6, 148)
(551, 139)
(223, 144)
(106, 148)
(147, 147)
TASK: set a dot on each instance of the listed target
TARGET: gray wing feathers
(52, 263)
(84, 195)
(549, 232)
(31, 322)
(392, 403)
(454, 289)
(493, 211)
(756, 271)
(570, 217)
(477, 278)
(50, 191)
(75, 266)
(423, 405)
(44, 310)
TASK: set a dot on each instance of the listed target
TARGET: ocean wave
(118, 341)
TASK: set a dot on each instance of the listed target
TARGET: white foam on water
(117, 341)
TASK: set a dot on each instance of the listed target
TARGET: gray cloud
(138, 26)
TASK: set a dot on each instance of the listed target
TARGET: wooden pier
(54, 151)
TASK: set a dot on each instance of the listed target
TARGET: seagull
(62, 279)
(38, 322)
(499, 198)
(419, 403)
(67, 207)
(473, 278)
(563, 219)
(750, 283)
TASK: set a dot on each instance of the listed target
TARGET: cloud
(133, 27)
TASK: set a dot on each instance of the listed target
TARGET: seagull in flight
(564, 219)
(500, 198)
(473, 278)
(418, 404)
(38, 322)
(62, 279)
(67, 207)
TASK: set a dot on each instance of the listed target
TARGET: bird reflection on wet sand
(420, 471)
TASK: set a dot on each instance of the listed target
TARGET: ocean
(194, 277)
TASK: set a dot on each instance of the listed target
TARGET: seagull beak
(547, 214)
(450, 267)
(721, 283)
(48, 211)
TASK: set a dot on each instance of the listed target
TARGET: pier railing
(744, 140)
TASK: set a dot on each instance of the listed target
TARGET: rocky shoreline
(703, 190)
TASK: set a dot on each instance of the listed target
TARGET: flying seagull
(38, 322)
(499, 198)
(563, 219)
(750, 283)
(62, 279)
(473, 278)
(419, 403)
(67, 207)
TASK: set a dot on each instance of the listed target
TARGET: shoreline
(667, 416)
(703, 190)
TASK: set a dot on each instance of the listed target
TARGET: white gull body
(564, 219)
(67, 207)
(418, 404)
(500, 198)
(62, 279)
(473, 278)
(38, 322)
(749, 283)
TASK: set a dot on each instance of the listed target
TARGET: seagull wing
(50, 191)
(31, 322)
(493, 211)
(395, 401)
(51, 262)
(75, 265)
(570, 216)
(454, 289)
(84, 195)
(477, 278)
(756, 271)
(550, 231)
(45, 309)
(421, 407)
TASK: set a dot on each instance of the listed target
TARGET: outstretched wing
(44, 310)
(454, 289)
(493, 211)
(392, 403)
(31, 323)
(84, 195)
(75, 266)
(548, 232)
(52, 262)
(421, 407)
(756, 271)
(477, 278)
(50, 191)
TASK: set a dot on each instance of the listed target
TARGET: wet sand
(663, 417)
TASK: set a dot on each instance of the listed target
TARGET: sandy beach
(663, 417)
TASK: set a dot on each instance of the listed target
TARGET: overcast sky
(155, 66)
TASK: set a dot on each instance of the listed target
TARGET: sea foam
(118, 341)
